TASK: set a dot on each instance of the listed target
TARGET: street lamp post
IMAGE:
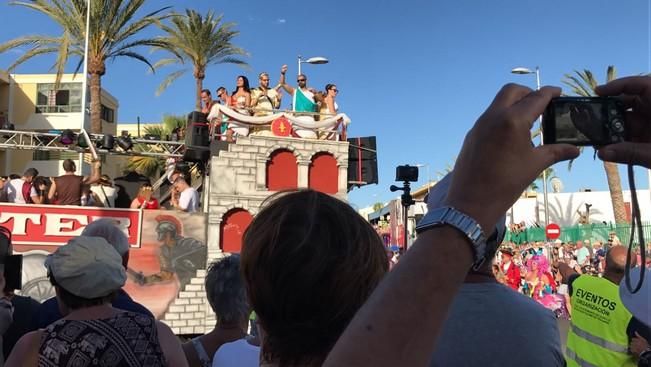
(312, 60)
(521, 70)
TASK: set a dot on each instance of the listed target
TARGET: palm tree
(198, 41)
(114, 28)
(583, 83)
(549, 172)
(152, 166)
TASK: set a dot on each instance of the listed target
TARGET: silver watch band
(462, 222)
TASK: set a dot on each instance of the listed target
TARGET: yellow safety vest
(597, 336)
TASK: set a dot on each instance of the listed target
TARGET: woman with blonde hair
(145, 200)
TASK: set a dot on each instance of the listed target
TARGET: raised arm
(401, 321)
(283, 82)
(53, 190)
(95, 173)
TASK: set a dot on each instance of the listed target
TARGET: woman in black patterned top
(86, 274)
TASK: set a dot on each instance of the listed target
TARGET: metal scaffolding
(30, 140)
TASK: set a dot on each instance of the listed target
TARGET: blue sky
(415, 73)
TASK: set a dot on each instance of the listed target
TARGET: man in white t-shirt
(13, 189)
(582, 254)
(185, 198)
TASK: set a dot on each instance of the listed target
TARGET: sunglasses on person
(335, 90)
(301, 80)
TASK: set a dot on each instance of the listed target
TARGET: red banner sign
(51, 225)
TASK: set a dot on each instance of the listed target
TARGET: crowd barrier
(592, 232)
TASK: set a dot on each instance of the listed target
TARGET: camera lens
(618, 125)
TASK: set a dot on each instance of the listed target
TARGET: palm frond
(198, 39)
(31, 53)
(169, 80)
(136, 56)
(578, 84)
(62, 58)
(164, 62)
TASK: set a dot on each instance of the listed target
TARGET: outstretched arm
(53, 190)
(95, 173)
(401, 321)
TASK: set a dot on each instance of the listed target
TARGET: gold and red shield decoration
(281, 127)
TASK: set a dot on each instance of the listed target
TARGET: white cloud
(281, 21)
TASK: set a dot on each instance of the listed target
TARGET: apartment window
(108, 114)
(65, 99)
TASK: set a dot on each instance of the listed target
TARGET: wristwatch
(449, 216)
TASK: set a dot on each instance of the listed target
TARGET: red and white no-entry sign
(552, 231)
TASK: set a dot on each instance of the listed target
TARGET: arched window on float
(233, 225)
(282, 171)
(324, 173)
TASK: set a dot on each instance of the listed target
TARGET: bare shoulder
(171, 346)
(25, 352)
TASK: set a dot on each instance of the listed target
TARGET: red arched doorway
(324, 173)
(282, 171)
(234, 223)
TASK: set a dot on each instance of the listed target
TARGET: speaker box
(197, 117)
(197, 142)
(362, 161)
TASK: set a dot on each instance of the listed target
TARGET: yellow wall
(4, 98)
(24, 104)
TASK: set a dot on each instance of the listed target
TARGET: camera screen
(581, 123)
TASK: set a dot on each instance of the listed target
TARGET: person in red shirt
(510, 269)
(145, 200)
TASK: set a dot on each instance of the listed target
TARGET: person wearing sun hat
(86, 274)
(639, 305)
(105, 191)
(510, 269)
(106, 228)
(512, 318)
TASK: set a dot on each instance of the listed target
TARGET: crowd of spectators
(97, 190)
(535, 270)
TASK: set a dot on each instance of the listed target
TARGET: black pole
(406, 219)
(138, 119)
(407, 201)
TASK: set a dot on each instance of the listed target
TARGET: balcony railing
(58, 109)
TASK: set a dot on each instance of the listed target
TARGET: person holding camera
(432, 271)
(451, 237)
